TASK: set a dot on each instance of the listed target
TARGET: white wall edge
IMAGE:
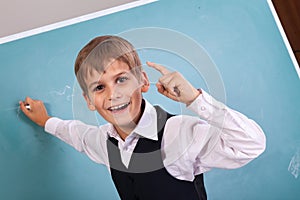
(74, 20)
(285, 39)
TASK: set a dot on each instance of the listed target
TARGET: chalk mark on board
(66, 91)
(18, 112)
(63, 92)
(60, 93)
(294, 166)
(17, 108)
(12, 108)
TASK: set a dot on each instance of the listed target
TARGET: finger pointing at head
(158, 67)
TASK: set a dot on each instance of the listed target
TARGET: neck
(124, 131)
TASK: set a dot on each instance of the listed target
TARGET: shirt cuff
(206, 106)
(51, 125)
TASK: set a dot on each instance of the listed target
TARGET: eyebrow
(117, 75)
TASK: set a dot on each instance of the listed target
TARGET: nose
(114, 93)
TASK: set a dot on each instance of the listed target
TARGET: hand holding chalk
(35, 110)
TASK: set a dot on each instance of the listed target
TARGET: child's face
(117, 94)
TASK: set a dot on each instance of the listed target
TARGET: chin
(125, 121)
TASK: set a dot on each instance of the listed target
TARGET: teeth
(119, 107)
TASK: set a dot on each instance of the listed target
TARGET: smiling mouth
(119, 107)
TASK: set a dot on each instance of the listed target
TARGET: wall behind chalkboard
(241, 40)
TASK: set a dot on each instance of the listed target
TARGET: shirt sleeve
(84, 138)
(218, 138)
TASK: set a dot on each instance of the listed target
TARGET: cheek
(97, 100)
(136, 98)
(132, 89)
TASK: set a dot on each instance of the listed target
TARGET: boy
(150, 153)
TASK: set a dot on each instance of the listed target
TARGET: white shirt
(219, 138)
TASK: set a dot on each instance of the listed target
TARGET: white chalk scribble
(18, 112)
(64, 92)
(16, 108)
(294, 166)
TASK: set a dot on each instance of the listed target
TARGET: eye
(121, 79)
(99, 88)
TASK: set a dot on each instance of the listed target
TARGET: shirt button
(202, 108)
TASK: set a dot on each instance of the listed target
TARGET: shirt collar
(146, 127)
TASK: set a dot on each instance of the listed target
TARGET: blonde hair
(100, 53)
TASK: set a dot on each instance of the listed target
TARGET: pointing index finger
(158, 67)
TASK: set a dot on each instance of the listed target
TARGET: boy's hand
(174, 86)
(37, 112)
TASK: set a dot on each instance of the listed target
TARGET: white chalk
(27, 106)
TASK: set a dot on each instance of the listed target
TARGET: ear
(145, 81)
(89, 102)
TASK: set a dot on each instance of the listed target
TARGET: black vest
(146, 177)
